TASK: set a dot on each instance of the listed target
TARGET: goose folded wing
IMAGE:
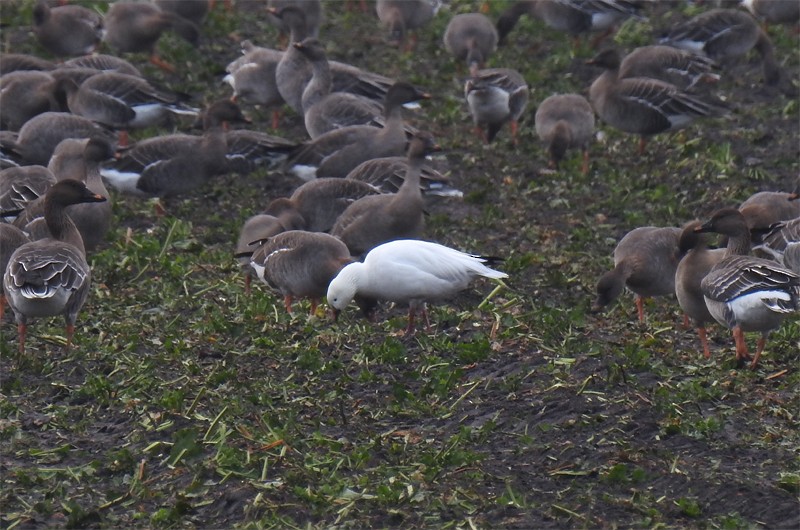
(39, 275)
(745, 275)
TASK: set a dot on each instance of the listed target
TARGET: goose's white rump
(408, 271)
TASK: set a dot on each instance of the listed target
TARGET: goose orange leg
(640, 308)
(701, 331)
(161, 63)
(70, 334)
(741, 346)
(759, 349)
(287, 303)
(585, 165)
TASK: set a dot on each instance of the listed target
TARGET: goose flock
(354, 228)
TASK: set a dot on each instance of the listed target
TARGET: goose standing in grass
(25, 94)
(255, 231)
(300, 264)
(408, 271)
(50, 276)
(645, 261)
(402, 16)
(471, 37)
(725, 35)
(376, 219)
(320, 202)
(177, 163)
(252, 78)
(565, 121)
(681, 68)
(123, 101)
(388, 173)
(496, 96)
(745, 293)
(695, 264)
(782, 244)
(40, 135)
(67, 30)
(337, 152)
(640, 105)
(311, 10)
(135, 27)
(22, 185)
(764, 209)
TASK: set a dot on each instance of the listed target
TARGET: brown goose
(252, 77)
(11, 238)
(645, 261)
(177, 163)
(133, 27)
(104, 63)
(681, 68)
(294, 70)
(388, 173)
(67, 30)
(320, 202)
(313, 15)
(695, 264)
(25, 94)
(376, 219)
(565, 121)
(123, 101)
(22, 185)
(12, 62)
(402, 16)
(640, 105)
(300, 264)
(50, 276)
(471, 37)
(496, 96)
(765, 208)
(40, 135)
(336, 153)
(249, 150)
(725, 35)
(782, 244)
(255, 230)
(774, 11)
(745, 293)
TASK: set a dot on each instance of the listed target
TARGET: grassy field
(187, 404)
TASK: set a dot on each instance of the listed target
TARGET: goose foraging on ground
(745, 293)
(565, 121)
(408, 271)
(496, 96)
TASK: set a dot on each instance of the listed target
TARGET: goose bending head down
(50, 276)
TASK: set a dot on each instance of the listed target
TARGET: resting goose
(12, 62)
(123, 101)
(300, 264)
(25, 94)
(695, 264)
(104, 63)
(496, 96)
(681, 68)
(50, 276)
(22, 185)
(40, 135)
(248, 150)
(294, 70)
(745, 293)
(174, 164)
(320, 202)
(565, 121)
(376, 219)
(725, 35)
(402, 16)
(67, 30)
(471, 37)
(408, 271)
(337, 152)
(134, 27)
(645, 261)
(640, 105)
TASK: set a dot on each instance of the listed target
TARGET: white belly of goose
(45, 302)
(756, 311)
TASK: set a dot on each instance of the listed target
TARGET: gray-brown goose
(25, 94)
(252, 77)
(67, 30)
(320, 202)
(194, 11)
(640, 105)
(11, 238)
(765, 208)
(402, 16)
(254, 231)
(337, 152)
(565, 121)
(177, 163)
(22, 185)
(388, 173)
(745, 293)
(123, 101)
(695, 264)
(725, 35)
(681, 68)
(12, 62)
(774, 11)
(294, 70)
(471, 37)
(376, 219)
(135, 27)
(782, 244)
(51, 277)
(104, 63)
(496, 96)
(40, 135)
(645, 261)
(300, 264)
(311, 10)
